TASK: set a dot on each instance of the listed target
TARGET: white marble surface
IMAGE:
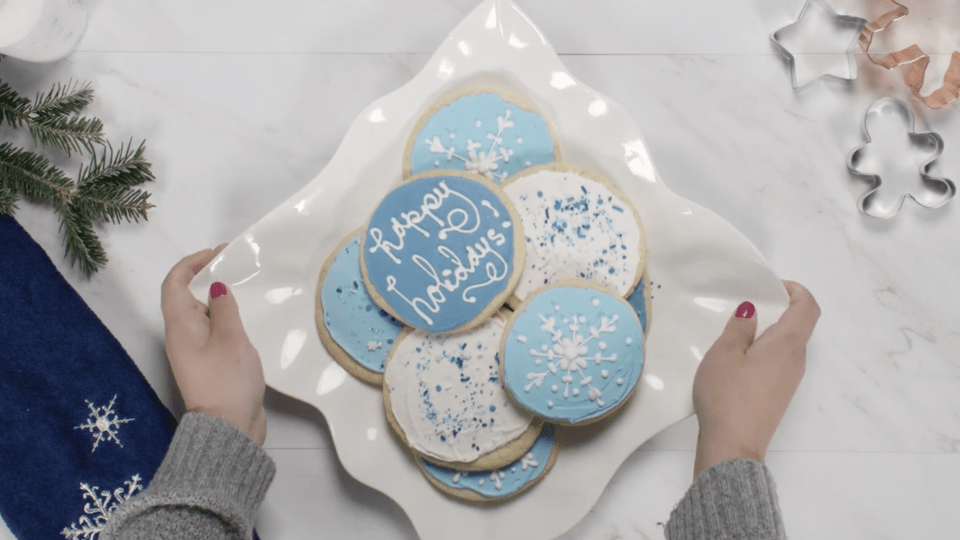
(241, 106)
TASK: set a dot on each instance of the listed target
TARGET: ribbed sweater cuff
(208, 454)
(211, 466)
(733, 500)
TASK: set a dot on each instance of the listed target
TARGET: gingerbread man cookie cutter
(894, 165)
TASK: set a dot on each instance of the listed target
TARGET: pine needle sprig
(82, 243)
(14, 109)
(34, 176)
(66, 134)
(8, 200)
(125, 167)
(62, 100)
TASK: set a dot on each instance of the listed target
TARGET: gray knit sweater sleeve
(733, 500)
(211, 482)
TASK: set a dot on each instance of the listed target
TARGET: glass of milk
(41, 30)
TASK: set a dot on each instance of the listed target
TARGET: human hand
(216, 367)
(743, 386)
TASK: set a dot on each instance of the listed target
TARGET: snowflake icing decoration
(526, 462)
(103, 422)
(570, 354)
(484, 163)
(99, 512)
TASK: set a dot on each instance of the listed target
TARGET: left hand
(216, 367)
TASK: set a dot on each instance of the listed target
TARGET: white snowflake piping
(571, 355)
(374, 346)
(483, 162)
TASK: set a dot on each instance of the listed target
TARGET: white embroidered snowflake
(98, 513)
(484, 163)
(105, 421)
(570, 354)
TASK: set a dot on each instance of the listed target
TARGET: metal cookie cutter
(894, 165)
(826, 49)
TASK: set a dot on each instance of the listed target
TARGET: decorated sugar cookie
(500, 484)
(573, 352)
(642, 301)
(494, 133)
(577, 225)
(443, 252)
(354, 330)
(443, 396)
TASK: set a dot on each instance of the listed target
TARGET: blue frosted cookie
(443, 251)
(572, 353)
(641, 300)
(494, 133)
(499, 484)
(354, 330)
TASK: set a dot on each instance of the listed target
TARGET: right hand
(743, 386)
(216, 367)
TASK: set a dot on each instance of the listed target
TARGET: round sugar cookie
(443, 251)
(642, 301)
(500, 484)
(492, 132)
(572, 352)
(356, 332)
(577, 224)
(443, 396)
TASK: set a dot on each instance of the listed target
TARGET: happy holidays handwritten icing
(439, 250)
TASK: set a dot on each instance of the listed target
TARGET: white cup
(41, 30)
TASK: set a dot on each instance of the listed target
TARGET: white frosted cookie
(443, 396)
(576, 225)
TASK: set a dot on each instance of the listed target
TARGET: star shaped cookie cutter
(855, 24)
(887, 118)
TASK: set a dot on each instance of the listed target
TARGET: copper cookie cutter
(881, 152)
(917, 59)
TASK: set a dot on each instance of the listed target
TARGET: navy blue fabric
(55, 355)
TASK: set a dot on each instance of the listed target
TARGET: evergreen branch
(126, 167)
(82, 243)
(62, 100)
(66, 134)
(8, 199)
(14, 109)
(34, 176)
(113, 203)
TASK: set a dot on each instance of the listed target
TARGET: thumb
(740, 330)
(224, 313)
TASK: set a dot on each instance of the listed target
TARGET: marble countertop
(241, 106)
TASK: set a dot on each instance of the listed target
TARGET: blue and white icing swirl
(446, 396)
(573, 353)
(575, 227)
(439, 250)
(484, 134)
(359, 326)
(501, 482)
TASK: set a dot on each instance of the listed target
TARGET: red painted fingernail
(217, 290)
(746, 310)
